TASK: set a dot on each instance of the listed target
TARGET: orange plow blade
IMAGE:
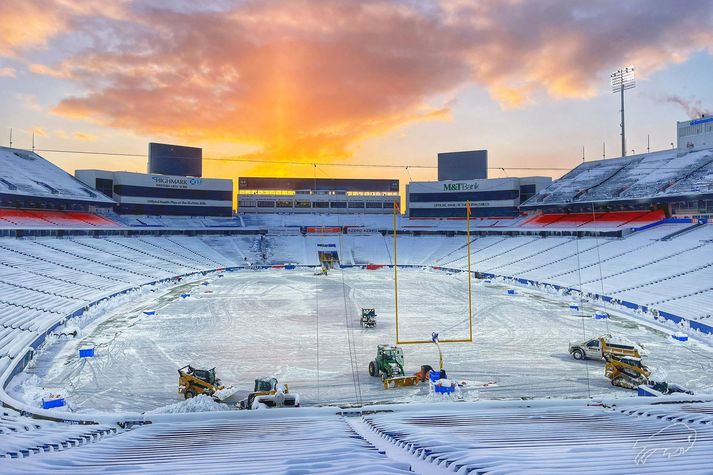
(401, 381)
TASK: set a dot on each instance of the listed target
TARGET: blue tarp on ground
(50, 403)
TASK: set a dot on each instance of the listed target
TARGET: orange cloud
(306, 79)
(84, 136)
(31, 23)
(25, 23)
(38, 131)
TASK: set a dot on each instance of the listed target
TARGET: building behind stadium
(173, 186)
(317, 195)
(677, 183)
(489, 198)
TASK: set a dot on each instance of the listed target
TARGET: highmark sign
(175, 182)
(460, 186)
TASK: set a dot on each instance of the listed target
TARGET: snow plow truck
(601, 346)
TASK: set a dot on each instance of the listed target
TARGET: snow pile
(29, 388)
(622, 340)
(200, 403)
(680, 336)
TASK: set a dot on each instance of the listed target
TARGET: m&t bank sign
(460, 186)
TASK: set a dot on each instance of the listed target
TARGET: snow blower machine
(268, 392)
(368, 318)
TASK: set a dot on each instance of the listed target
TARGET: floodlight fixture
(623, 80)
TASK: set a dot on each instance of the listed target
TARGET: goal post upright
(470, 300)
(396, 277)
(470, 290)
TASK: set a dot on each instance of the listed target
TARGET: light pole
(622, 80)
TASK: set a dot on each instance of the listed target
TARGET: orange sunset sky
(349, 82)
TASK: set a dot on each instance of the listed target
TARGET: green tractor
(389, 362)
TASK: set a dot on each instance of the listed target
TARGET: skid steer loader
(626, 371)
(192, 382)
(630, 372)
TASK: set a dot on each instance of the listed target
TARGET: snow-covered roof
(25, 173)
(650, 175)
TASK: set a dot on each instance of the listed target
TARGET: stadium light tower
(622, 80)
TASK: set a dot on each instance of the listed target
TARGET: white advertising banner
(462, 204)
(175, 182)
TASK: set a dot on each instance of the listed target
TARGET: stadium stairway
(664, 279)
(79, 254)
(600, 261)
(546, 246)
(159, 247)
(206, 255)
(22, 249)
(577, 249)
(106, 250)
(139, 250)
(629, 269)
(474, 249)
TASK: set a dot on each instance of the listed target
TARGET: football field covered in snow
(304, 330)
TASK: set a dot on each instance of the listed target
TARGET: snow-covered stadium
(99, 311)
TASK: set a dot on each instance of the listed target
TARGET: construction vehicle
(626, 371)
(389, 365)
(630, 372)
(389, 362)
(192, 382)
(600, 347)
(268, 392)
(368, 318)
